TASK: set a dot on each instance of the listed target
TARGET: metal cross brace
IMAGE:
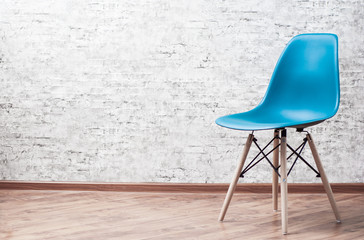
(296, 152)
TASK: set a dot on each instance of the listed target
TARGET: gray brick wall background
(128, 91)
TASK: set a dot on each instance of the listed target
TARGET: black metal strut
(299, 156)
(261, 151)
(296, 152)
(302, 146)
(265, 156)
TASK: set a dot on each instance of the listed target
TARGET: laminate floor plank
(72, 215)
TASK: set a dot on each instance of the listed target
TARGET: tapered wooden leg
(284, 199)
(275, 176)
(324, 180)
(233, 183)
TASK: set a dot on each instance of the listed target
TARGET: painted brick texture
(128, 91)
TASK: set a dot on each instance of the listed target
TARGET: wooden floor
(28, 215)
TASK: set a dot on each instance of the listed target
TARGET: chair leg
(284, 199)
(233, 183)
(275, 176)
(324, 180)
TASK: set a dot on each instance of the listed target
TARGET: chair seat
(304, 88)
(264, 119)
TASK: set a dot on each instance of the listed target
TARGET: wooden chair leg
(324, 180)
(275, 176)
(233, 183)
(284, 199)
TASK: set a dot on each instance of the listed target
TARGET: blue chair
(304, 91)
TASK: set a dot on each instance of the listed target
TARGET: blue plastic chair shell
(304, 89)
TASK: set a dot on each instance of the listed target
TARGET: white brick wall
(128, 91)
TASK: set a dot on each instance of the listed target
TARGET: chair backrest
(306, 78)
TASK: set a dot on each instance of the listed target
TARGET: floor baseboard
(177, 187)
